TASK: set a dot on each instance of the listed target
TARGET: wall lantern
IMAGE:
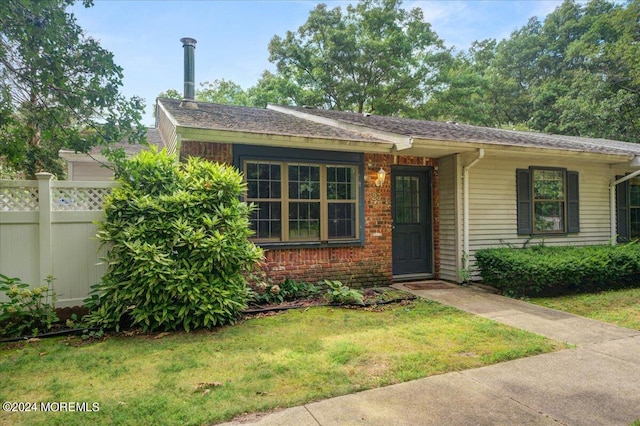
(381, 176)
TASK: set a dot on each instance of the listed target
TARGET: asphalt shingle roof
(424, 129)
(267, 121)
(255, 120)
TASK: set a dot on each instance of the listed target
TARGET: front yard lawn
(620, 307)
(259, 365)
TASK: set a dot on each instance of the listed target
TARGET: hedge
(550, 271)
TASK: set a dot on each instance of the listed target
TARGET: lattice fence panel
(19, 199)
(78, 199)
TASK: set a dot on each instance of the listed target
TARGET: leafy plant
(465, 273)
(28, 309)
(343, 295)
(266, 292)
(178, 246)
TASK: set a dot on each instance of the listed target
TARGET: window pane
(304, 182)
(341, 182)
(634, 231)
(548, 184)
(549, 216)
(263, 180)
(304, 220)
(342, 220)
(634, 192)
(266, 219)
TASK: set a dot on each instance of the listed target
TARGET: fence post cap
(44, 176)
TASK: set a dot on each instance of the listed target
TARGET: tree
(59, 88)
(466, 92)
(375, 57)
(276, 89)
(221, 91)
(575, 73)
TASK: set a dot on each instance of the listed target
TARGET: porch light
(381, 176)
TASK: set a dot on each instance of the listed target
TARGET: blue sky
(233, 36)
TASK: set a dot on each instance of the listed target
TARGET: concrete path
(596, 383)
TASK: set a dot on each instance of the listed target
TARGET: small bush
(179, 246)
(265, 292)
(550, 271)
(343, 295)
(28, 310)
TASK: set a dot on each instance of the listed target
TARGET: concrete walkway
(595, 383)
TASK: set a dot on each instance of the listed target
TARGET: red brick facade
(369, 265)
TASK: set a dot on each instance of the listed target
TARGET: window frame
(244, 154)
(535, 200)
(623, 210)
(525, 202)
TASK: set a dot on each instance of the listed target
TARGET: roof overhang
(81, 157)
(439, 148)
(280, 140)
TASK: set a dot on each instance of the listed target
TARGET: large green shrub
(546, 271)
(178, 247)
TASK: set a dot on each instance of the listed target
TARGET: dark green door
(412, 228)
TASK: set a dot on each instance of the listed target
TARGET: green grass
(259, 365)
(620, 307)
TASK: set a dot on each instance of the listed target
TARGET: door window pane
(407, 200)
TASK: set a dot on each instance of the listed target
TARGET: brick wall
(357, 266)
(216, 152)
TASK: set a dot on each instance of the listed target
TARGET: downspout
(465, 207)
(612, 199)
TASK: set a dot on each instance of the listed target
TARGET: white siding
(450, 243)
(89, 171)
(493, 203)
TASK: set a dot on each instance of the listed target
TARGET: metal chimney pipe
(189, 45)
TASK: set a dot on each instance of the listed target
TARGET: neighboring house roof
(154, 138)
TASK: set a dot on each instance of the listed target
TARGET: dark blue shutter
(622, 208)
(523, 195)
(573, 202)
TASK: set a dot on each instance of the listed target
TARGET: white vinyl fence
(47, 229)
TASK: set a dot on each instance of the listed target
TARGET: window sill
(307, 244)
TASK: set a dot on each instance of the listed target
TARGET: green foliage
(575, 73)
(343, 295)
(58, 88)
(28, 310)
(465, 272)
(222, 91)
(178, 246)
(270, 88)
(373, 56)
(265, 292)
(547, 271)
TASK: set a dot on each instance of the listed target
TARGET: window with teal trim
(302, 202)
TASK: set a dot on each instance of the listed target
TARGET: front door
(412, 244)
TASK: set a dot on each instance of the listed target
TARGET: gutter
(612, 198)
(465, 205)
